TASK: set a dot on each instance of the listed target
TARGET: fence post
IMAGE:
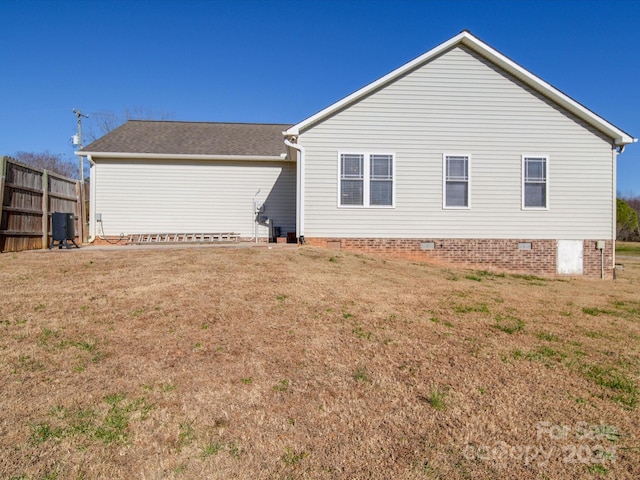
(45, 210)
(3, 173)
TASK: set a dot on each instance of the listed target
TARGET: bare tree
(101, 123)
(54, 162)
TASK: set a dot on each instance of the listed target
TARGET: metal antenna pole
(79, 115)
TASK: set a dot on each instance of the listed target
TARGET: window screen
(351, 179)
(535, 182)
(456, 181)
(381, 180)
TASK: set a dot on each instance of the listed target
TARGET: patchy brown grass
(262, 364)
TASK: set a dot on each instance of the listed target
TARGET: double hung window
(534, 182)
(366, 180)
(456, 181)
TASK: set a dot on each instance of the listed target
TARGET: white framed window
(366, 180)
(456, 185)
(535, 182)
(351, 179)
(381, 180)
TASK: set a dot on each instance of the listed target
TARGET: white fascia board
(169, 156)
(358, 94)
(618, 136)
(465, 38)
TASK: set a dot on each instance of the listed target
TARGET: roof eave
(358, 94)
(624, 140)
(618, 136)
(182, 156)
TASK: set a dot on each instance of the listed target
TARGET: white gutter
(621, 147)
(169, 156)
(300, 185)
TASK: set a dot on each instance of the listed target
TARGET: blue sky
(281, 61)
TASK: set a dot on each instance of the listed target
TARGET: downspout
(290, 142)
(615, 151)
(614, 206)
(92, 199)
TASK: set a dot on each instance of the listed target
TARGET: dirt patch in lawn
(308, 363)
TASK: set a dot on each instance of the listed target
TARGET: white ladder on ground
(143, 238)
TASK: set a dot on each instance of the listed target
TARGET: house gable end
(466, 39)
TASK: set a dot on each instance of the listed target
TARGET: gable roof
(197, 140)
(465, 38)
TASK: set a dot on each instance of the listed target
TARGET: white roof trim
(169, 156)
(465, 38)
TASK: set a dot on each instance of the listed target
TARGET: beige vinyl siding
(141, 196)
(459, 102)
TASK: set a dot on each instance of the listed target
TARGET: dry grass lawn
(628, 249)
(307, 363)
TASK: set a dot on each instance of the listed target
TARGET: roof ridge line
(141, 120)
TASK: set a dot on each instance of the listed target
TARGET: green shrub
(626, 221)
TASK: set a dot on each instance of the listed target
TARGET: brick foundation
(537, 257)
(594, 258)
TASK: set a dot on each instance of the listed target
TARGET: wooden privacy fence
(28, 196)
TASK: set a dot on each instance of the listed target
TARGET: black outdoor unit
(63, 230)
(276, 233)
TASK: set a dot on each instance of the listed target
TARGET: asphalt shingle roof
(193, 138)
